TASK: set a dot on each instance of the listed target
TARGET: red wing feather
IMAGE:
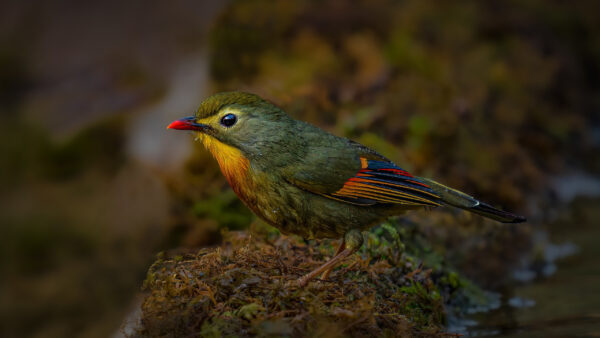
(383, 182)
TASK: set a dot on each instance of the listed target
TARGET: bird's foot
(302, 281)
(297, 283)
(326, 273)
(351, 243)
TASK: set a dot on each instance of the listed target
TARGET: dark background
(498, 98)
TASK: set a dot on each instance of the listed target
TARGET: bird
(306, 181)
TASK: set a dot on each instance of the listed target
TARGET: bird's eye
(228, 120)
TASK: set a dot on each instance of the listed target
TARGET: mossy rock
(242, 288)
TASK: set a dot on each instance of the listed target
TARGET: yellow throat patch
(232, 162)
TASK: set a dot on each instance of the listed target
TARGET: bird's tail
(461, 200)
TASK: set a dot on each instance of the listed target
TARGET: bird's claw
(298, 283)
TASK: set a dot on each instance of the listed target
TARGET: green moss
(241, 288)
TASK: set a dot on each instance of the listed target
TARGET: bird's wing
(384, 182)
(363, 177)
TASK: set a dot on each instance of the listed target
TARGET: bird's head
(235, 124)
(240, 120)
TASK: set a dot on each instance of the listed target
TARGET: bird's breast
(234, 165)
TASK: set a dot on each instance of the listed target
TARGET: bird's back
(294, 188)
(323, 185)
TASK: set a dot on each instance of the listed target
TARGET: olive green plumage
(291, 164)
(306, 181)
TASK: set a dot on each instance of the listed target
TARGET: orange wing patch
(383, 182)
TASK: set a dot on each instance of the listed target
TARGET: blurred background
(499, 98)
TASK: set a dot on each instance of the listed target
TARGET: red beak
(187, 123)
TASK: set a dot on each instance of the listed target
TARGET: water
(562, 299)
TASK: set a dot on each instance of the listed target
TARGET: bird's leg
(337, 252)
(352, 241)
